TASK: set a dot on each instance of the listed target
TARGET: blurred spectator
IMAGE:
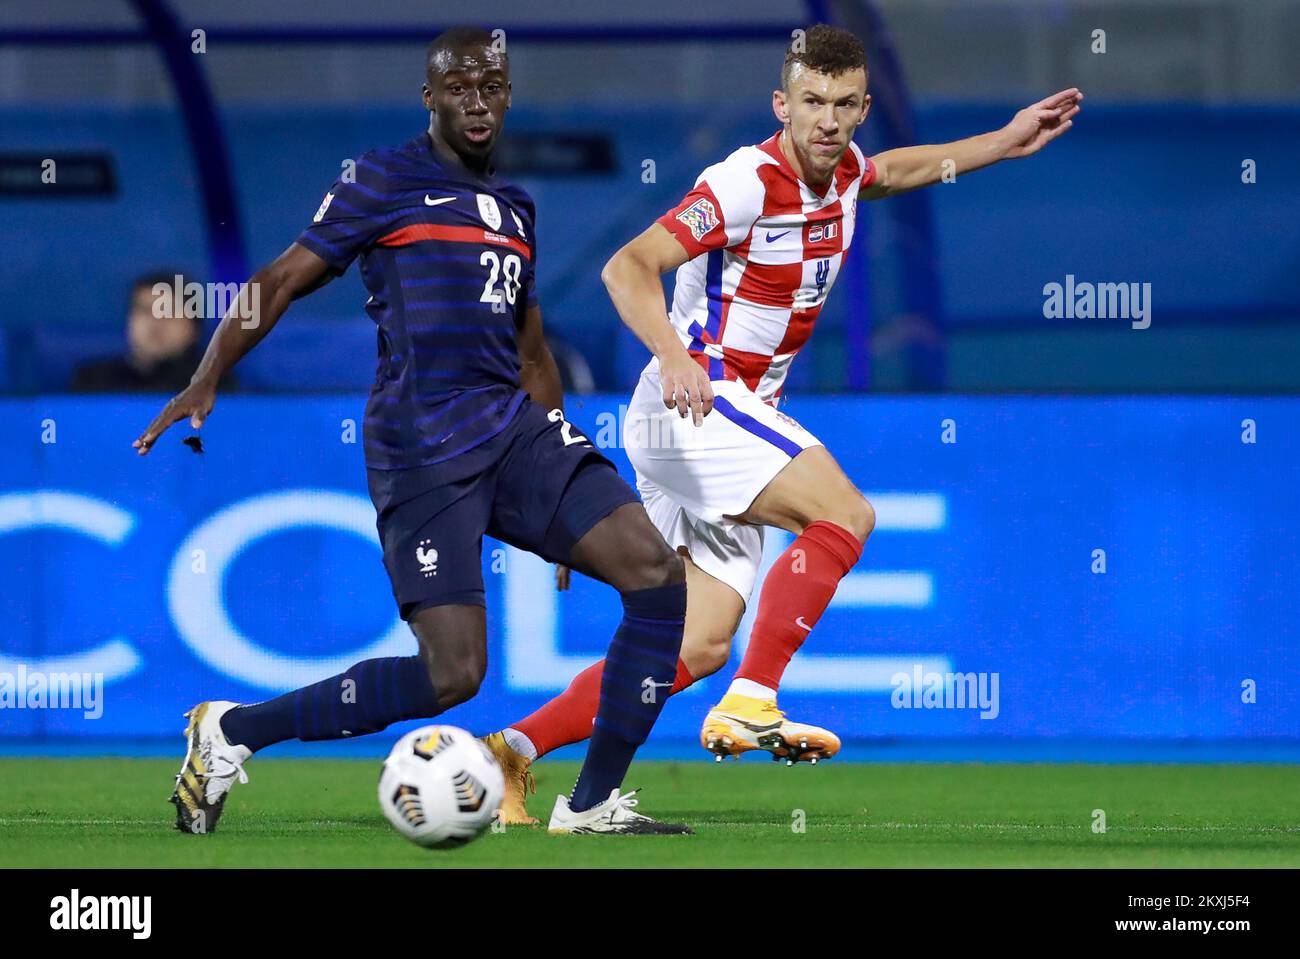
(163, 345)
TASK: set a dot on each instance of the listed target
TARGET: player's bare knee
(456, 670)
(459, 682)
(652, 564)
(854, 512)
(864, 518)
(705, 656)
(669, 567)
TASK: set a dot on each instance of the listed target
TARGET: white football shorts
(691, 478)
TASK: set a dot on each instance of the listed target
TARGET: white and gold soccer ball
(440, 787)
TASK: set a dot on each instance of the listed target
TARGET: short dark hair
(826, 49)
(445, 44)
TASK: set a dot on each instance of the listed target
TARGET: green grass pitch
(310, 813)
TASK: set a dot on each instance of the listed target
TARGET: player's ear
(510, 92)
(780, 106)
(427, 96)
(866, 106)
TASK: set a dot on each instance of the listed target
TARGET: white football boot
(613, 817)
(210, 768)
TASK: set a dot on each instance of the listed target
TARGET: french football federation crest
(489, 211)
(427, 558)
(700, 217)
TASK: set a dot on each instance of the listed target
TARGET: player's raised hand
(195, 401)
(686, 387)
(1039, 124)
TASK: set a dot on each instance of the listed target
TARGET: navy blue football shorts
(539, 485)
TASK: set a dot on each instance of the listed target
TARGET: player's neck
(479, 166)
(786, 146)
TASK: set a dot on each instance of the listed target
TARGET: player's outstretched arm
(632, 278)
(908, 168)
(260, 304)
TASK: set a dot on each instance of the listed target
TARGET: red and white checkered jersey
(765, 249)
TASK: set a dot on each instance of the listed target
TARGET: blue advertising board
(1043, 569)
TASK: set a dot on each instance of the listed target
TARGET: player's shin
(640, 670)
(367, 698)
(796, 592)
(568, 718)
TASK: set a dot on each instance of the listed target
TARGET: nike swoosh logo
(437, 202)
(802, 625)
(771, 238)
(752, 727)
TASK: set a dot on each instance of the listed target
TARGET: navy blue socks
(367, 698)
(638, 676)
(640, 668)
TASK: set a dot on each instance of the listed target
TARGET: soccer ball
(440, 787)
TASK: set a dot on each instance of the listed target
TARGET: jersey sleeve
(530, 290)
(865, 165)
(719, 211)
(528, 233)
(350, 217)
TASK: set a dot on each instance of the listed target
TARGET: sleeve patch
(324, 205)
(700, 218)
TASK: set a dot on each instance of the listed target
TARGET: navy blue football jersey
(447, 257)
